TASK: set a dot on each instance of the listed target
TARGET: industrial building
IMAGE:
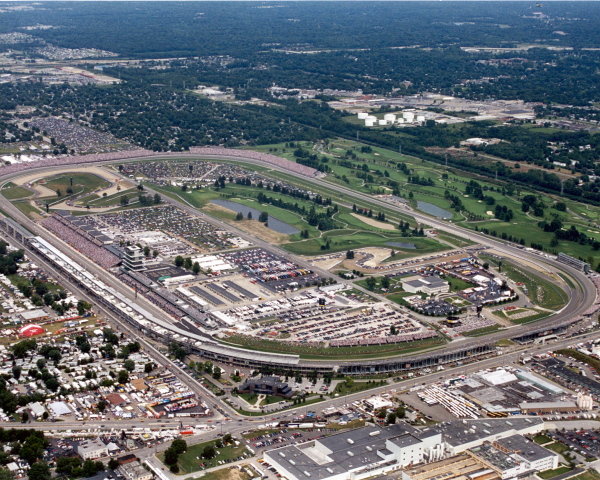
(360, 453)
(430, 285)
(371, 451)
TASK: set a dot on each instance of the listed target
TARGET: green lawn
(81, 183)
(25, 207)
(588, 475)
(482, 331)
(324, 352)
(558, 447)
(14, 192)
(554, 473)
(457, 284)
(352, 386)
(541, 439)
(191, 460)
(110, 200)
(341, 240)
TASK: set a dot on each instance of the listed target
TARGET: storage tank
(382, 122)
(390, 117)
(421, 118)
(369, 123)
(408, 116)
(400, 120)
(362, 115)
(371, 117)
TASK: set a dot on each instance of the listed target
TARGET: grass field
(349, 387)
(554, 473)
(14, 192)
(82, 183)
(588, 475)
(25, 207)
(191, 460)
(110, 200)
(482, 331)
(541, 291)
(523, 225)
(341, 240)
(323, 352)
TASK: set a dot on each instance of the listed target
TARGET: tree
(171, 456)
(239, 216)
(187, 263)
(249, 215)
(391, 418)
(83, 307)
(129, 365)
(123, 376)
(6, 474)
(39, 471)
(350, 254)
(179, 445)
(113, 464)
(179, 261)
(209, 452)
(216, 373)
(148, 367)
(263, 217)
(196, 268)
(101, 405)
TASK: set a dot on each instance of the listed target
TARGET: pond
(273, 223)
(407, 246)
(434, 210)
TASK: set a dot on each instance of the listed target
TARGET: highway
(581, 297)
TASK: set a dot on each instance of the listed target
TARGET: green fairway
(381, 167)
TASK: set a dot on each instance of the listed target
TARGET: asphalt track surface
(580, 298)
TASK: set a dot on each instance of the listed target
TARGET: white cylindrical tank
(371, 117)
(382, 122)
(401, 120)
(369, 123)
(421, 118)
(362, 115)
(408, 116)
(390, 117)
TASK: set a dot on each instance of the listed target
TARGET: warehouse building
(430, 285)
(361, 453)
(371, 451)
